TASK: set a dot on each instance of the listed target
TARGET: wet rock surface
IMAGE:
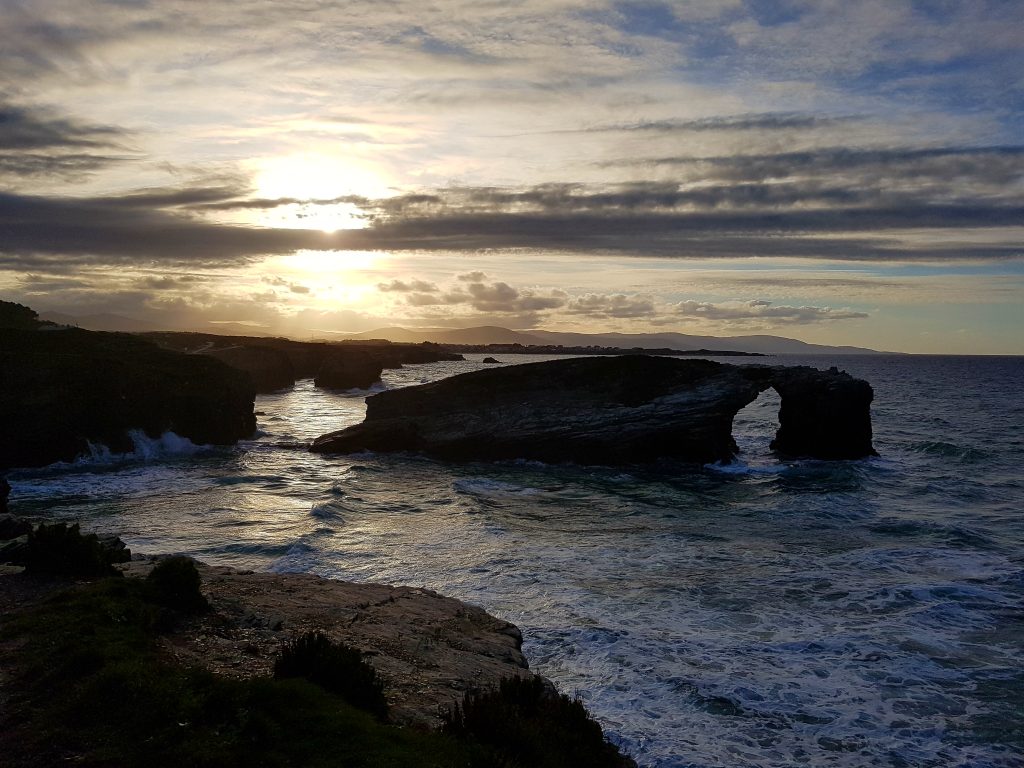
(612, 410)
(428, 649)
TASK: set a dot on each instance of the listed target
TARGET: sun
(324, 191)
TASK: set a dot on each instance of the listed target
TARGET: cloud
(990, 164)
(760, 122)
(282, 283)
(615, 305)
(485, 298)
(36, 142)
(23, 128)
(761, 310)
(37, 231)
(400, 286)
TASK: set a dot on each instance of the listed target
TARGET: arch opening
(754, 427)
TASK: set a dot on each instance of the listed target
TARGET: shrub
(174, 583)
(526, 724)
(335, 667)
(62, 550)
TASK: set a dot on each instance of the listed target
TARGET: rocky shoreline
(429, 650)
(431, 654)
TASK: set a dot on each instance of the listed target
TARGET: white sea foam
(144, 448)
(741, 467)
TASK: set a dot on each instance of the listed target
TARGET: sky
(833, 171)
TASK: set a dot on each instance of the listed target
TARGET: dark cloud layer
(994, 164)
(35, 142)
(36, 230)
(767, 121)
(641, 219)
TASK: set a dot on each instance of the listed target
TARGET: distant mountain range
(491, 334)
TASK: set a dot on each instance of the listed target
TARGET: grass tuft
(62, 550)
(174, 583)
(335, 667)
(526, 724)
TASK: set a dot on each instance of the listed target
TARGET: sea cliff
(66, 388)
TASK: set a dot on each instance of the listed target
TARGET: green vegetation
(524, 724)
(62, 550)
(174, 583)
(92, 688)
(87, 684)
(18, 316)
(335, 667)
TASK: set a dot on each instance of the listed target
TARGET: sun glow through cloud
(320, 184)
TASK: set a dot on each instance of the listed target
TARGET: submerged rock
(611, 410)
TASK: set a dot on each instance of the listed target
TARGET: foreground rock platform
(612, 410)
(429, 650)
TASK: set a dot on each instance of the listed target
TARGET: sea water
(763, 613)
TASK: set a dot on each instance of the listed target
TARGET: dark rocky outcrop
(823, 414)
(274, 363)
(348, 369)
(65, 388)
(269, 368)
(490, 360)
(611, 410)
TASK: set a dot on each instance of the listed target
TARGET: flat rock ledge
(428, 649)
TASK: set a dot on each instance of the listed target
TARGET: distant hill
(125, 324)
(762, 344)
(484, 334)
(103, 322)
(492, 334)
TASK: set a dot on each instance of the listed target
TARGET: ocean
(761, 614)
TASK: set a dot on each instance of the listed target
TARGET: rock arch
(612, 410)
(822, 414)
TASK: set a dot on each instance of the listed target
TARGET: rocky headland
(612, 410)
(275, 363)
(66, 388)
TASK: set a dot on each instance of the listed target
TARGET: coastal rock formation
(64, 389)
(274, 363)
(611, 410)
(428, 649)
(269, 368)
(823, 414)
(348, 369)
